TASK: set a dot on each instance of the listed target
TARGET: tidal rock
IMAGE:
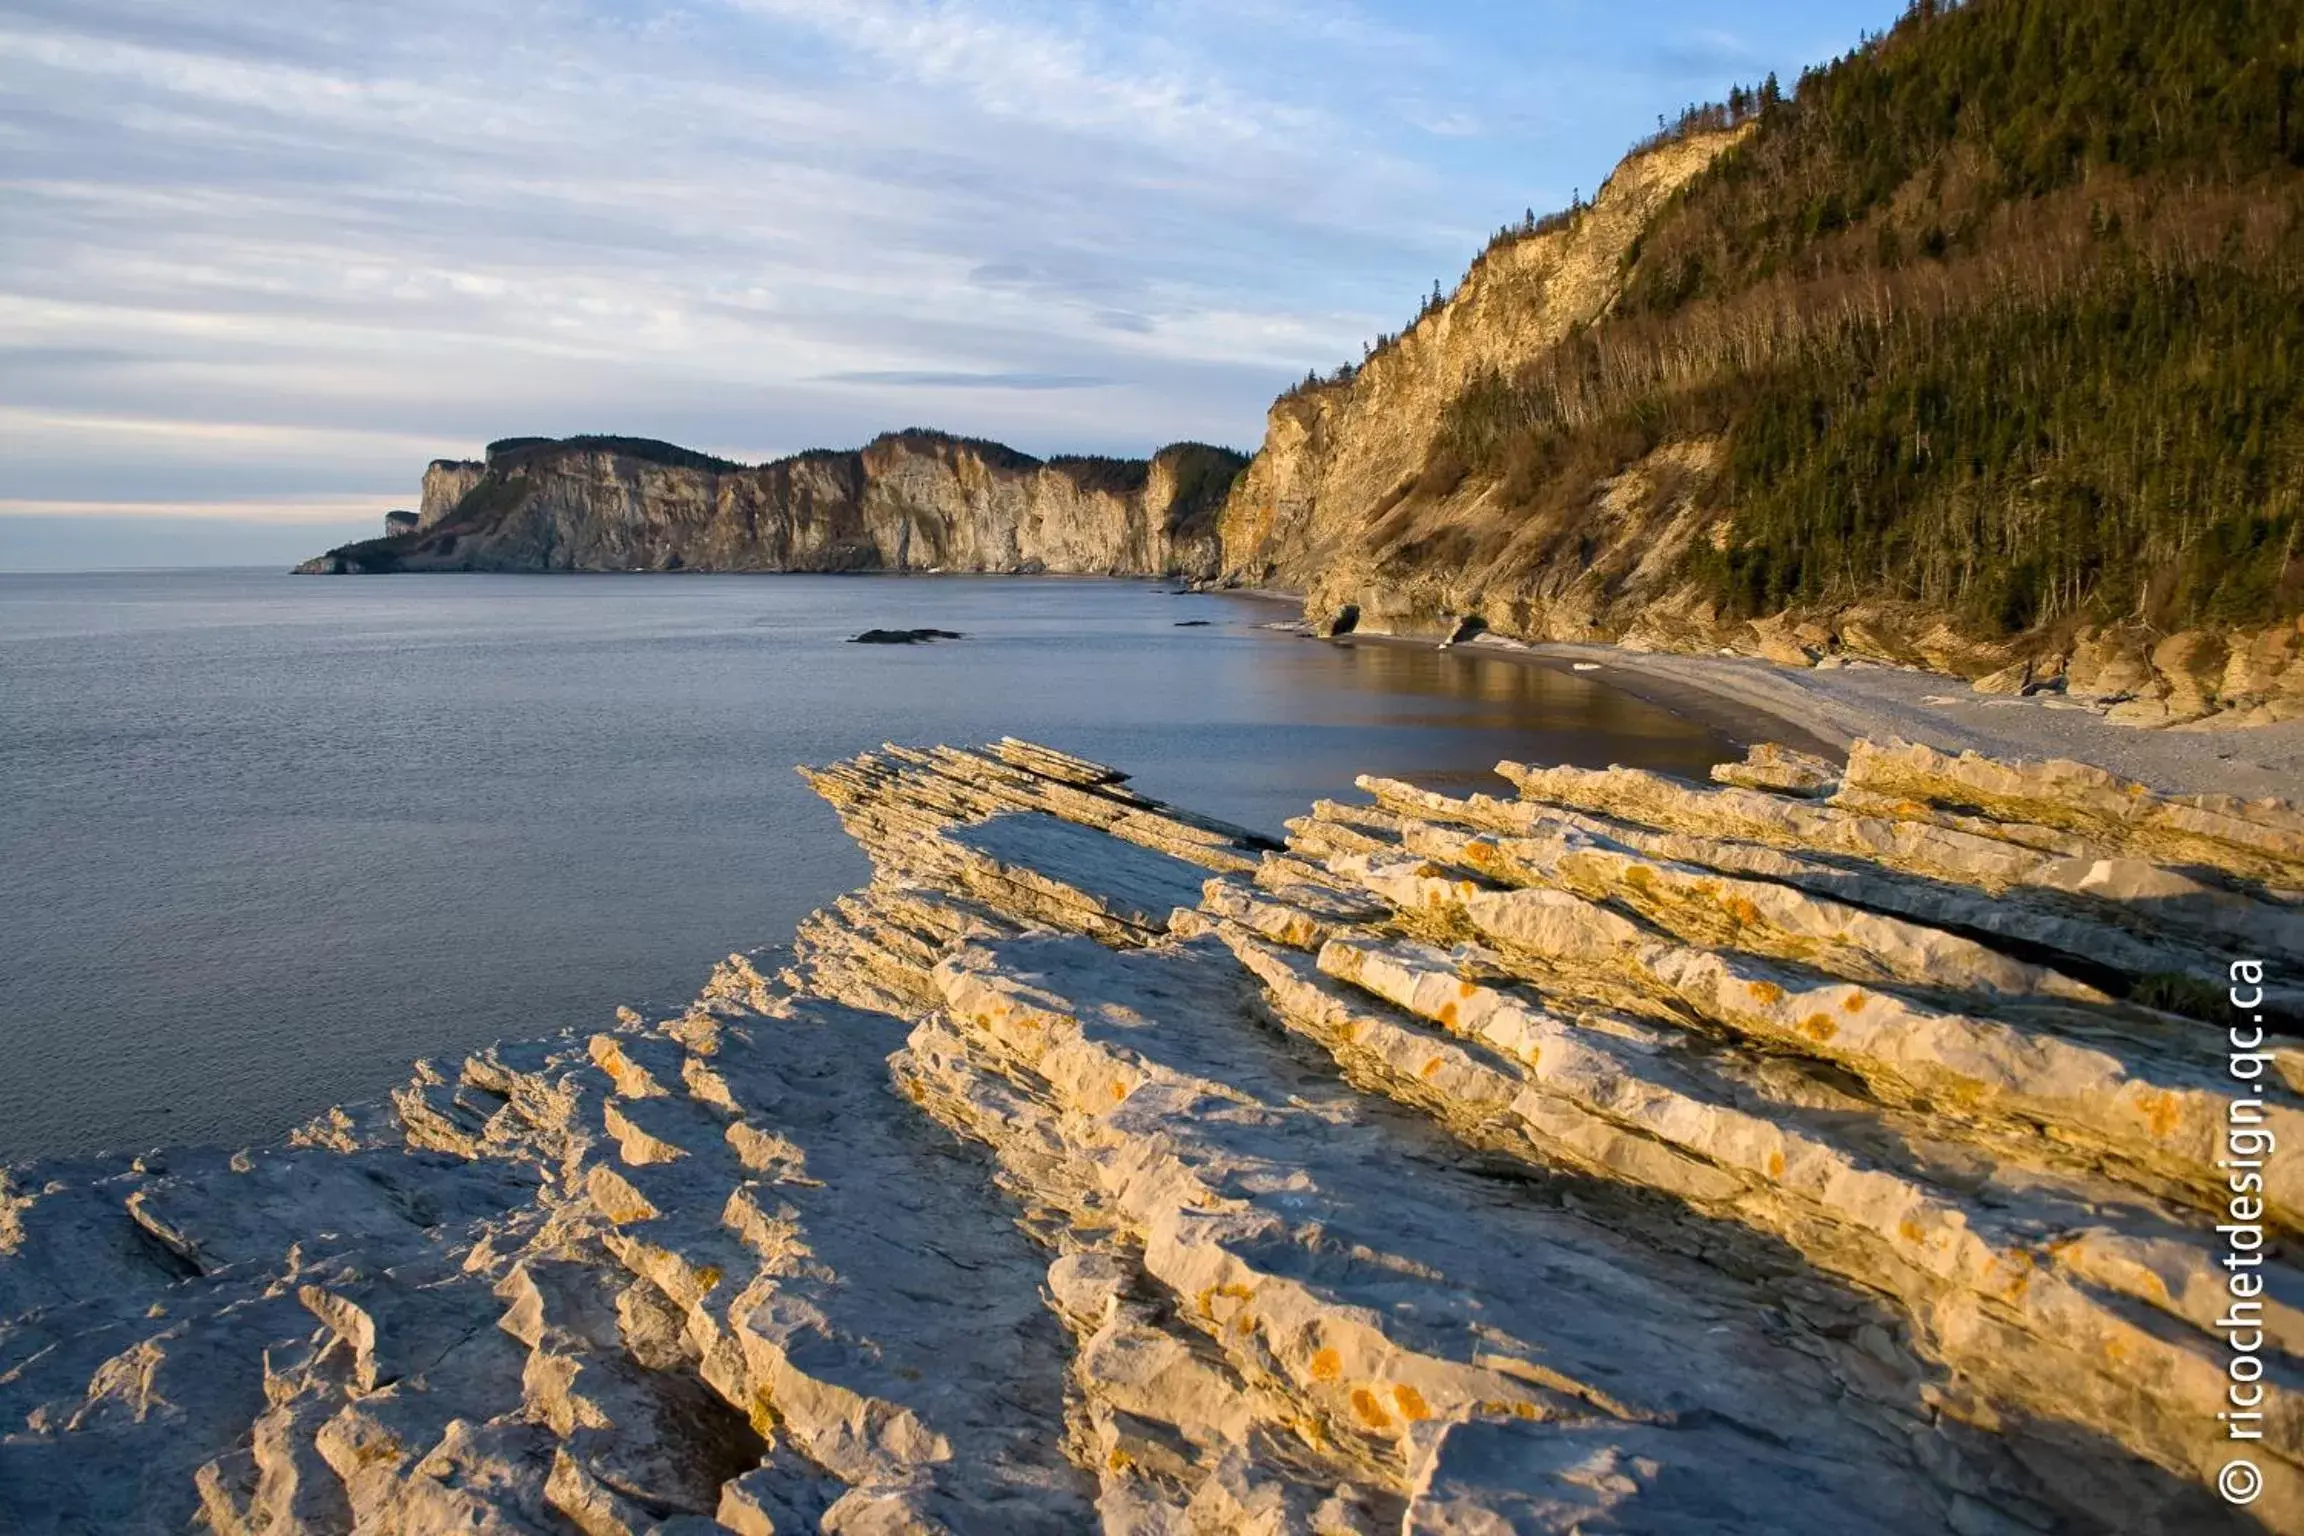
(1769, 766)
(1630, 1154)
(903, 636)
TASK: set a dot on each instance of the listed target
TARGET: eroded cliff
(908, 501)
(1906, 365)
(1310, 510)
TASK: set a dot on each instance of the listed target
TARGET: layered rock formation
(1338, 456)
(1803, 1154)
(911, 501)
(1899, 365)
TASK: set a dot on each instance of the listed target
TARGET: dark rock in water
(902, 636)
(1192, 623)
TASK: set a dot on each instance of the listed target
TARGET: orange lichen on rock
(1369, 1411)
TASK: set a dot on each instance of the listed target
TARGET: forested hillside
(1999, 318)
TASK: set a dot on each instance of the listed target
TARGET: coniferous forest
(2003, 313)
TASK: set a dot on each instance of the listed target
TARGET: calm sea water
(264, 839)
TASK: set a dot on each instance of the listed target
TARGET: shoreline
(1822, 710)
(900, 1097)
(1836, 706)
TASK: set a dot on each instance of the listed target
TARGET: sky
(261, 260)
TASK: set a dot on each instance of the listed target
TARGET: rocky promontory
(1896, 364)
(1831, 1148)
(906, 501)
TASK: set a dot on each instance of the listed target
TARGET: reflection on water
(267, 838)
(1466, 709)
(1517, 692)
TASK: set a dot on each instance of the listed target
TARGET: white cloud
(327, 511)
(1065, 76)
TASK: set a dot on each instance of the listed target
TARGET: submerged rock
(1807, 1153)
(903, 636)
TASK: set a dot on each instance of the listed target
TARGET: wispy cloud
(928, 378)
(1070, 68)
(298, 512)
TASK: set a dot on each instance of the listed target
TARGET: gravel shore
(1831, 707)
(1823, 709)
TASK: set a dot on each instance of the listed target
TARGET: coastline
(972, 1097)
(1825, 709)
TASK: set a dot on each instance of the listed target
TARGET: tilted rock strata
(1336, 456)
(1349, 500)
(1626, 1155)
(905, 502)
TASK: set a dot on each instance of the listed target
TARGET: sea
(265, 839)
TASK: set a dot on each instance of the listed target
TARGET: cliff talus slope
(906, 501)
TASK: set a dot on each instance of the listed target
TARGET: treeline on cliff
(2002, 313)
(506, 451)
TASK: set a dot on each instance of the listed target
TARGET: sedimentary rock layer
(1814, 1152)
(906, 501)
(1359, 497)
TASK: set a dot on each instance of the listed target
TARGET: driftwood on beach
(1825, 1149)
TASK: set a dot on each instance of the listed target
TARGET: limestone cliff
(909, 501)
(446, 482)
(1356, 499)
(1337, 457)
(1894, 367)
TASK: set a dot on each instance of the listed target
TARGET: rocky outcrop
(911, 501)
(1338, 458)
(1359, 498)
(446, 482)
(1813, 1152)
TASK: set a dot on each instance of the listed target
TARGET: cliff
(906, 501)
(1806, 1153)
(1973, 352)
(446, 482)
(1339, 456)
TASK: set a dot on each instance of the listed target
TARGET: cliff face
(1309, 512)
(446, 482)
(1899, 368)
(911, 501)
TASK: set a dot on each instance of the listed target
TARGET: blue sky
(261, 260)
